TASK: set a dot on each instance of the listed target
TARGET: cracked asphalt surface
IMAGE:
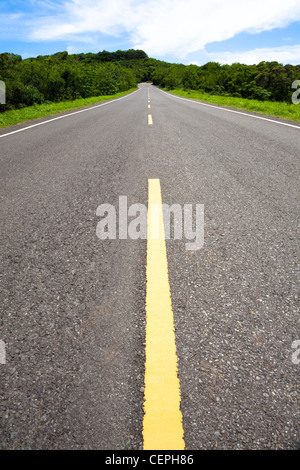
(73, 306)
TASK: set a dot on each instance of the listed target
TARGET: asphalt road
(73, 306)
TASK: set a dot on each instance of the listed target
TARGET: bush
(254, 92)
(19, 95)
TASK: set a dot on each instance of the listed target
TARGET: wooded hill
(64, 76)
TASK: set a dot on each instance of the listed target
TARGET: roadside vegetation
(48, 85)
(16, 116)
(283, 110)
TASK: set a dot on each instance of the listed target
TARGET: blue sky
(182, 31)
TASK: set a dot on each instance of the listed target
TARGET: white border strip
(69, 114)
(231, 110)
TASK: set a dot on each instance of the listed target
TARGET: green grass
(16, 116)
(288, 111)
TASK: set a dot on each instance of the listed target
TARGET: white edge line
(231, 110)
(69, 114)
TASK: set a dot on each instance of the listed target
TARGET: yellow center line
(150, 120)
(162, 427)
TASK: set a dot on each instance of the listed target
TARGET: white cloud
(162, 27)
(284, 55)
